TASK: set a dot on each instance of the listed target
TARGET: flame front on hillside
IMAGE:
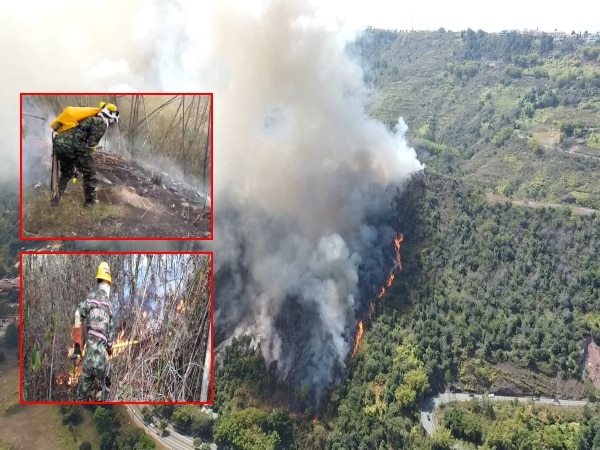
(388, 283)
(358, 337)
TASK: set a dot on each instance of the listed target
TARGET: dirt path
(585, 152)
(579, 210)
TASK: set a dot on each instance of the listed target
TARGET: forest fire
(75, 374)
(62, 379)
(358, 337)
(397, 244)
(120, 337)
(388, 283)
(72, 377)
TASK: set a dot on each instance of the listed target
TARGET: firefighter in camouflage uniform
(96, 310)
(74, 138)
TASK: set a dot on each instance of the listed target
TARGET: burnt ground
(134, 202)
(591, 361)
(511, 380)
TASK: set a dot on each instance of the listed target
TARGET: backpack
(71, 116)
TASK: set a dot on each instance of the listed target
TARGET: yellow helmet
(109, 111)
(104, 272)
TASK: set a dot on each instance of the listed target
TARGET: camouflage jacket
(96, 310)
(87, 134)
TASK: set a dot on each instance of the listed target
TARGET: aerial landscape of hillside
(476, 319)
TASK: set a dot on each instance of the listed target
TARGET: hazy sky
(457, 15)
(452, 15)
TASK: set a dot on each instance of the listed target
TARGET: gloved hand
(77, 349)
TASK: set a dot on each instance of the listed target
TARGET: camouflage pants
(90, 374)
(80, 157)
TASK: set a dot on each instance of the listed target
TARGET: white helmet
(109, 111)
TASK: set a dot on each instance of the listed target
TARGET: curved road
(174, 440)
(429, 406)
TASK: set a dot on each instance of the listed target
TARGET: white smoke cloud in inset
(304, 179)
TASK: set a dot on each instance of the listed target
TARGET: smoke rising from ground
(302, 177)
(304, 180)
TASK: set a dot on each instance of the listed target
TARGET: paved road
(429, 406)
(174, 440)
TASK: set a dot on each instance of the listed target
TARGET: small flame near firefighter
(388, 283)
(72, 377)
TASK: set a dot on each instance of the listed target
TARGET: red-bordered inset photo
(116, 328)
(116, 166)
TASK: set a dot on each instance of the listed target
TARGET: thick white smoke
(303, 176)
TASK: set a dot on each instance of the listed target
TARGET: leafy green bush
(502, 136)
(513, 71)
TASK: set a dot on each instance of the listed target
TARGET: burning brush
(72, 377)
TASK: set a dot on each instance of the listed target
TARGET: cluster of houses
(560, 36)
(587, 38)
(7, 285)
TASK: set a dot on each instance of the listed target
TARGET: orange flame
(397, 244)
(75, 374)
(180, 307)
(390, 280)
(71, 378)
(388, 283)
(120, 337)
(358, 337)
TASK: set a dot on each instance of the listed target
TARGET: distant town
(585, 37)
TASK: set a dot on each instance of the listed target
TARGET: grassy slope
(35, 426)
(40, 426)
(414, 81)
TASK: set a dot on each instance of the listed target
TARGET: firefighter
(96, 311)
(75, 134)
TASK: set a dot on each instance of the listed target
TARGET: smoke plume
(304, 179)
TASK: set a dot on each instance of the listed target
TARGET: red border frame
(212, 328)
(49, 238)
